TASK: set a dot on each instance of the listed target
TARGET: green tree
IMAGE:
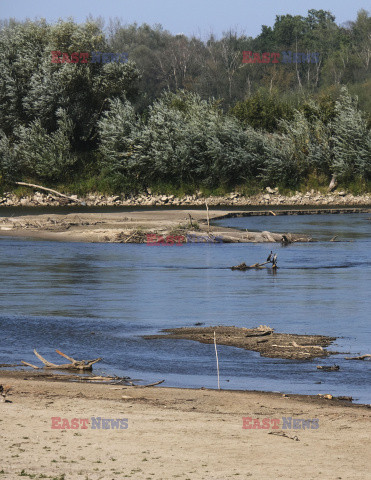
(351, 140)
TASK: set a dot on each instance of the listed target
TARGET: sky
(190, 17)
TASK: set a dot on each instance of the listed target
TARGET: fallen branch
(283, 434)
(149, 385)
(74, 365)
(217, 360)
(243, 266)
(100, 379)
(30, 365)
(295, 345)
(208, 218)
(2, 365)
(49, 190)
(130, 237)
(361, 357)
(268, 236)
(328, 368)
(333, 184)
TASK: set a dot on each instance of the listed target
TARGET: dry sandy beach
(133, 226)
(175, 433)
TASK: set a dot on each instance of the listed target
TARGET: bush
(350, 140)
(37, 153)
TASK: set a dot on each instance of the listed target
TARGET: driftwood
(361, 357)
(74, 365)
(243, 266)
(149, 384)
(268, 236)
(138, 236)
(83, 379)
(49, 190)
(283, 434)
(333, 183)
(328, 369)
(30, 365)
(272, 258)
(208, 218)
(83, 366)
(328, 396)
(295, 345)
(2, 365)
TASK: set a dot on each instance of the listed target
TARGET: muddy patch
(262, 339)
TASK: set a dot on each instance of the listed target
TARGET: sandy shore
(176, 433)
(133, 226)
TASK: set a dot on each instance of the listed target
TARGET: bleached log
(30, 365)
(48, 190)
(44, 361)
(65, 356)
(74, 365)
(149, 384)
(268, 236)
(361, 357)
(333, 183)
(295, 345)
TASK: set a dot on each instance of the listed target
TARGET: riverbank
(270, 197)
(176, 433)
(166, 226)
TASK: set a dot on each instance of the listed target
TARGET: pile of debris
(262, 339)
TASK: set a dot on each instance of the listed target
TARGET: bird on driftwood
(270, 256)
(274, 260)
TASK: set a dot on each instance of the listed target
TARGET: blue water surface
(92, 300)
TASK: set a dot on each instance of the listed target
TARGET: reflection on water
(94, 300)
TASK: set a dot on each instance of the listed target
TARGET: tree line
(184, 112)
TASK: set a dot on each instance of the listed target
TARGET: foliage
(262, 111)
(351, 140)
(37, 153)
(183, 113)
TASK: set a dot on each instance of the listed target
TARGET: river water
(92, 300)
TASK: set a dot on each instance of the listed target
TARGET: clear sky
(199, 17)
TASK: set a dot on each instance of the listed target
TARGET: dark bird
(270, 256)
(284, 240)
